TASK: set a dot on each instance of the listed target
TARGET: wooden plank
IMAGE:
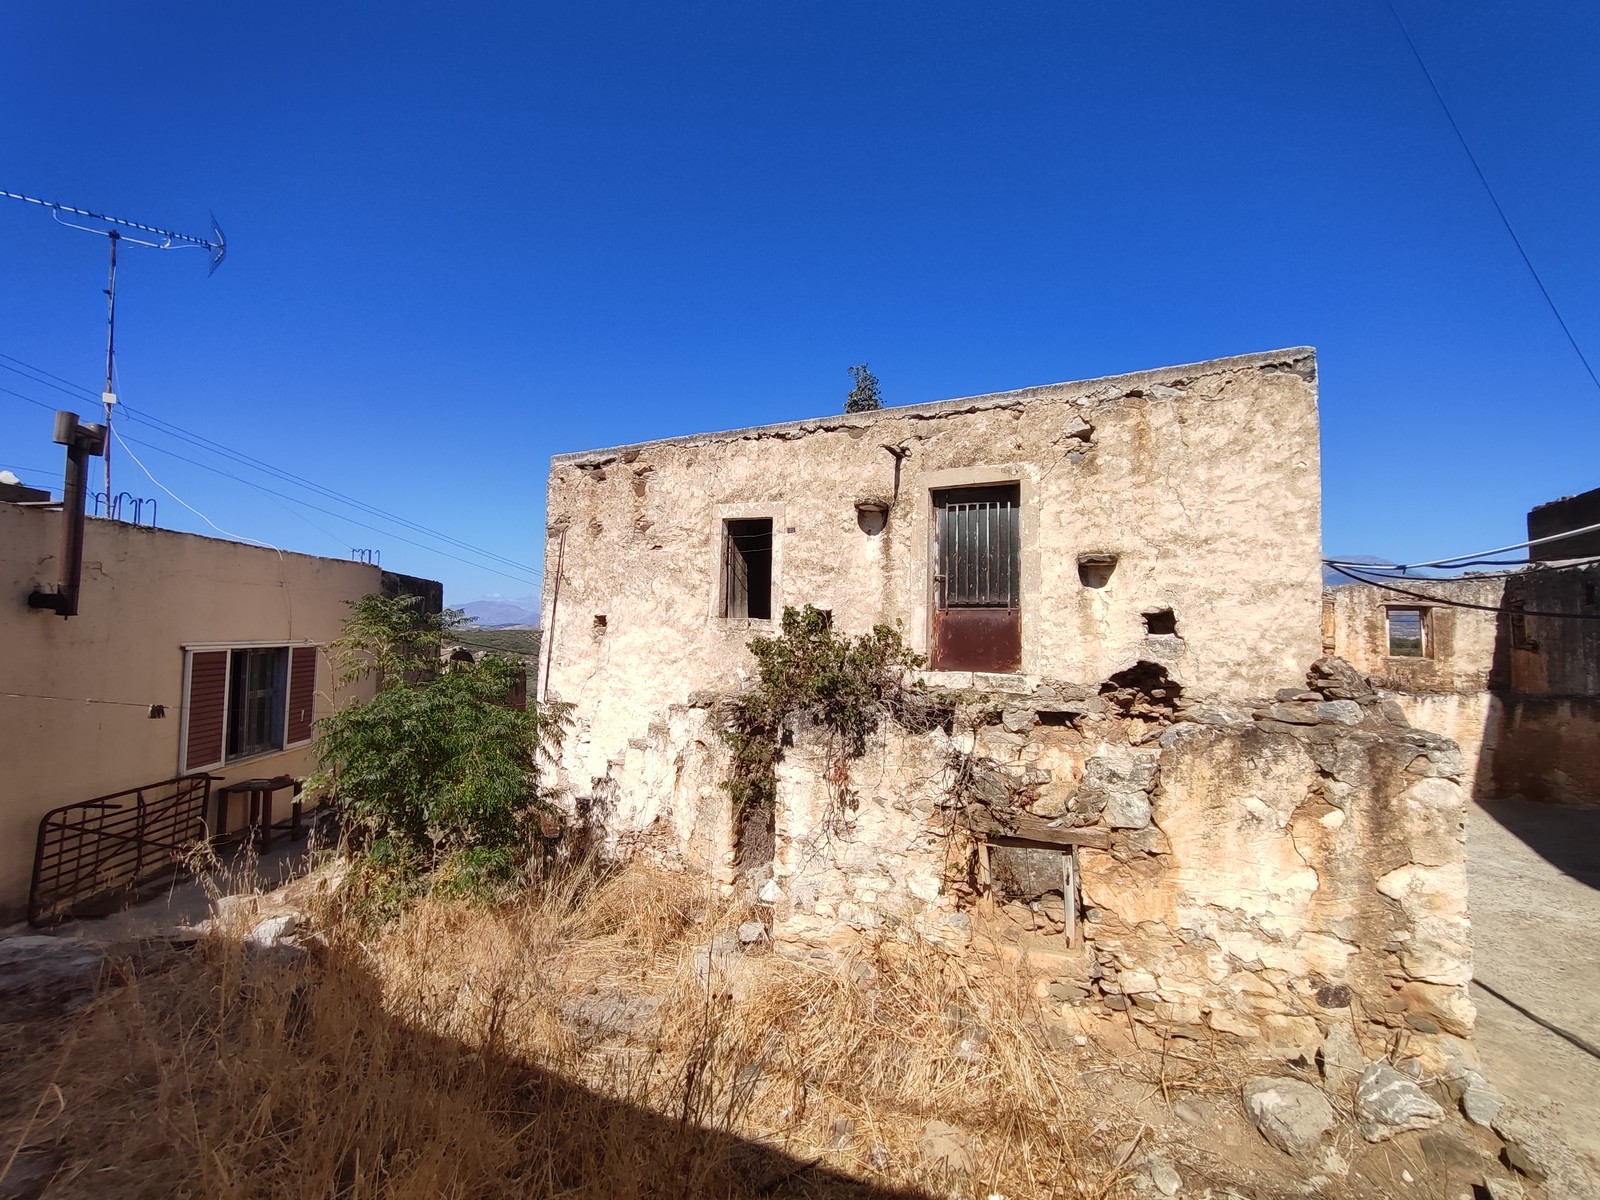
(1030, 831)
(985, 880)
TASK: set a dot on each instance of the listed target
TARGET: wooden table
(259, 818)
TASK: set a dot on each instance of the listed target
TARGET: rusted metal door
(977, 611)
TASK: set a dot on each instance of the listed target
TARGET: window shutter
(205, 719)
(302, 695)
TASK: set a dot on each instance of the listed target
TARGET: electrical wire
(1489, 191)
(88, 700)
(207, 444)
(48, 384)
(225, 533)
(1494, 608)
(318, 508)
(1476, 554)
(59, 379)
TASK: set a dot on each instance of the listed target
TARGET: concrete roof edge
(144, 530)
(832, 421)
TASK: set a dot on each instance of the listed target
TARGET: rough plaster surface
(1203, 479)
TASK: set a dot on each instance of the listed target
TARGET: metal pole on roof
(217, 245)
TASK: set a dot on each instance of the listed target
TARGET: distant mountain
(1333, 578)
(503, 614)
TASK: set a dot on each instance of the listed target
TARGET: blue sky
(462, 240)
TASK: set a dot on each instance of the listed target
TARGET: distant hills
(518, 612)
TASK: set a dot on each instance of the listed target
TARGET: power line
(204, 443)
(1494, 608)
(318, 508)
(201, 442)
(46, 383)
(1489, 191)
(1476, 554)
(41, 371)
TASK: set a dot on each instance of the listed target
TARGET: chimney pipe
(82, 442)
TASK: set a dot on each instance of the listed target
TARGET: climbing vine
(840, 683)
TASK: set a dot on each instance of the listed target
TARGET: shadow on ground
(287, 1073)
(1566, 837)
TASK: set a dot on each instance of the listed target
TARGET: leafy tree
(438, 769)
(864, 397)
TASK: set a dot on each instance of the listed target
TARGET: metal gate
(977, 623)
(96, 853)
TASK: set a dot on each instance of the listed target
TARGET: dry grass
(564, 1046)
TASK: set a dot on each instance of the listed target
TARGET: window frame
(281, 719)
(727, 551)
(1424, 630)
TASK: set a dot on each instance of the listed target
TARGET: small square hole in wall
(1160, 622)
(599, 622)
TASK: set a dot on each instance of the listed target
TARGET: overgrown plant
(865, 396)
(842, 683)
(439, 772)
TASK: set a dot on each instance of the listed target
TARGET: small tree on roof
(864, 397)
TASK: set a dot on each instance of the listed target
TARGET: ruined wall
(1518, 687)
(1267, 874)
(1462, 641)
(1202, 479)
(1260, 874)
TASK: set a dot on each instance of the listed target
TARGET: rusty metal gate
(95, 854)
(977, 617)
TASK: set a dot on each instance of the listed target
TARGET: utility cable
(328, 511)
(48, 375)
(1476, 554)
(1494, 608)
(238, 537)
(201, 442)
(1489, 191)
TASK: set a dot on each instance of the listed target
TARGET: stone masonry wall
(1270, 872)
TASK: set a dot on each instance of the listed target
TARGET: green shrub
(842, 683)
(437, 771)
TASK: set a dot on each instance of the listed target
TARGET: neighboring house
(1506, 663)
(188, 655)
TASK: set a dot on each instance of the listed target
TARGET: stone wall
(1261, 874)
(1202, 480)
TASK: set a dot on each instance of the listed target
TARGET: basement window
(747, 569)
(1408, 632)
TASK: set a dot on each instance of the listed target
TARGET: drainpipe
(82, 442)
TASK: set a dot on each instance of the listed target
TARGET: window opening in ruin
(977, 579)
(1590, 599)
(600, 622)
(1520, 640)
(1408, 632)
(1161, 622)
(747, 569)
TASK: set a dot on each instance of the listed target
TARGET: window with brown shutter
(247, 701)
(302, 694)
(206, 718)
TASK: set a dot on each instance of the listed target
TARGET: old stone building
(1135, 789)
(1506, 663)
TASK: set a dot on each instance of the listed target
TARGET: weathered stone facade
(1232, 855)
(1202, 480)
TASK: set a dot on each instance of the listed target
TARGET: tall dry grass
(561, 1046)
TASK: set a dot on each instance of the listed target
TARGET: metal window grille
(979, 549)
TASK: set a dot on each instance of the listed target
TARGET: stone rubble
(1290, 1113)
(1388, 1103)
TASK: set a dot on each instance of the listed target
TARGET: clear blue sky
(464, 238)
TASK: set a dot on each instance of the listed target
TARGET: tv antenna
(216, 245)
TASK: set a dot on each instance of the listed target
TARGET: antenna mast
(170, 240)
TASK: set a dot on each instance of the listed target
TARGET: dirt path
(1535, 896)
